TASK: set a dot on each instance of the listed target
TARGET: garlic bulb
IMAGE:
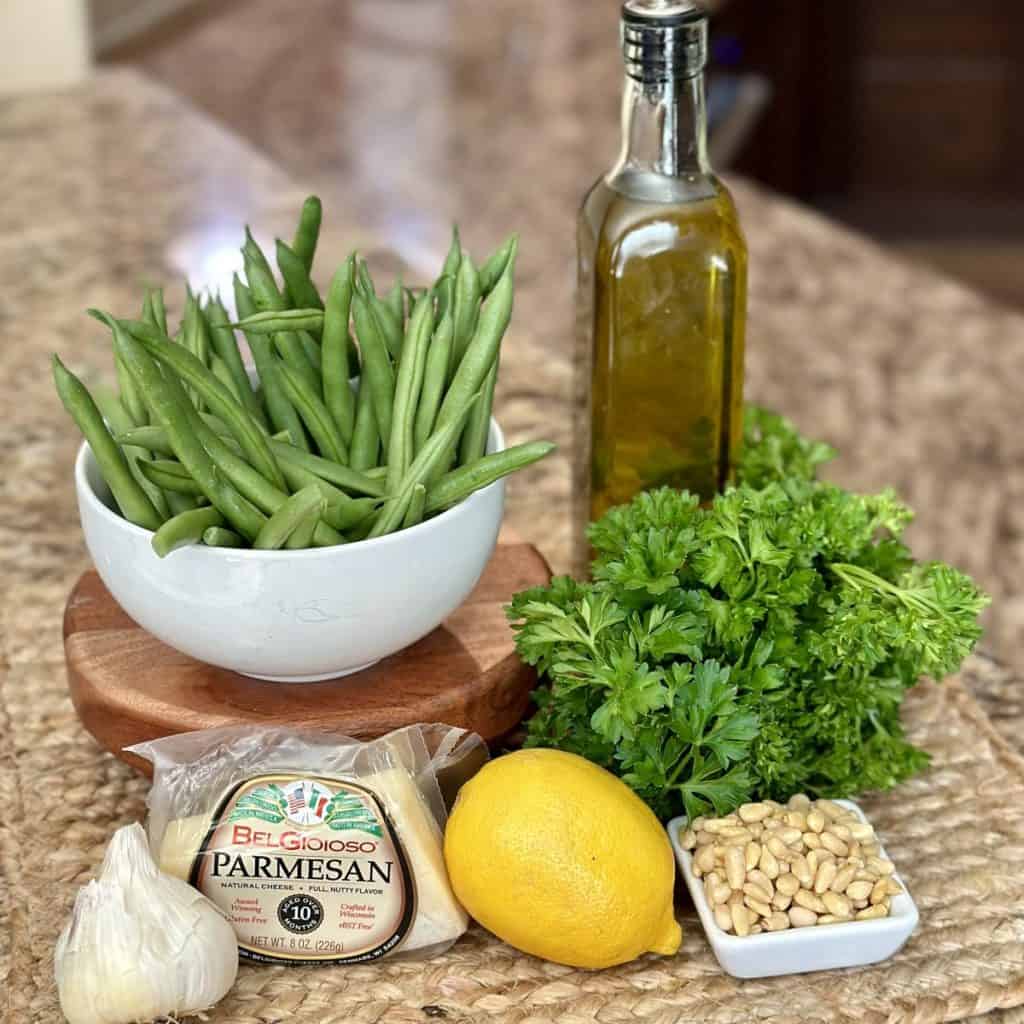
(141, 944)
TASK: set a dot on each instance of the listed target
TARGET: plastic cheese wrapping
(318, 849)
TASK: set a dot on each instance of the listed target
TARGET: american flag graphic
(296, 800)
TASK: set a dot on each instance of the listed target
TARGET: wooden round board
(127, 686)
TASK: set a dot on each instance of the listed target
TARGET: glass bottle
(662, 282)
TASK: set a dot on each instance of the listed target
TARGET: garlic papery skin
(141, 944)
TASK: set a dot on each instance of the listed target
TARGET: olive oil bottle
(662, 282)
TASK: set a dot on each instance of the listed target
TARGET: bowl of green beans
(300, 510)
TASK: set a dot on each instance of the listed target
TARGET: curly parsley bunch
(755, 648)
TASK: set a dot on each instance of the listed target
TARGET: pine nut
(871, 849)
(813, 861)
(717, 825)
(723, 918)
(740, 919)
(758, 877)
(777, 922)
(752, 891)
(771, 824)
(802, 870)
(720, 893)
(756, 929)
(688, 839)
(759, 907)
(730, 835)
(854, 852)
(805, 898)
(837, 904)
(878, 892)
(778, 848)
(834, 844)
(882, 867)
(790, 836)
(698, 823)
(787, 884)
(782, 901)
(752, 854)
(705, 859)
(859, 890)
(892, 887)
(768, 864)
(844, 876)
(754, 812)
(812, 840)
(815, 821)
(862, 831)
(735, 867)
(840, 831)
(863, 875)
(801, 917)
(870, 913)
(799, 802)
(797, 819)
(860, 904)
(735, 900)
(705, 838)
(830, 919)
(831, 811)
(825, 877)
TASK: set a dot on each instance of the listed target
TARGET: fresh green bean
(130, 397)
(444, 289)
(214, 393)
(424, 466)
(302, 535)
(280, 526)
(178, 503)
(185, 528)
(389, 324)
(218, 537)
(395, 300)
(197, 336)
(311, 347)
(454, 257)
(314, 415)
(364, 282)
(346, 477)
(131, 499)
(338, 395)
(119, 421)
(171, 409)
(473, 443)
(225, 343)
(467, 308)
(340, 511)
(376, 473)
(378, 374)
(408, 385)
(158, 311)
(282, 415)
(250, 483)
(416, 505)
(301, 290)
(435, 378)
(491, 271)
(220, 370)
(171, 476)
(481, 352)
(460, 483)
(363, 454)
(308, 231)
(147, 309)
(273, 321)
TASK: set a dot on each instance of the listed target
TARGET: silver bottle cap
(664, 39)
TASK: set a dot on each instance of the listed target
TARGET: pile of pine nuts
(770, 867)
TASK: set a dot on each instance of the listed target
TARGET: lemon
(562, 860)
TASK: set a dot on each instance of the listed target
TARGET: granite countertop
(916, 379)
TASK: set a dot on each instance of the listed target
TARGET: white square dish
(799, 950)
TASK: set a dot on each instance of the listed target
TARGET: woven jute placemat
(956, 832)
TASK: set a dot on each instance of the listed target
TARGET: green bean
(274, 320)
(482, 351)
(131, 499)
(364, 282)
(171, 476)
(444, 289)
(130, 397)
(478, 427)
(197, 337)
(467, 308)
(460, 483)
(185, 528)
(250, 483)
(280, 526)
(340, 511)
(214, 393)
(491, 271)
(147, 309)
(435, 378)
(424, 466)
(395, 300)
(454, 257)
(338, 395)
(302, 536)
(308, 231)
(223, 338)
(119, 421)
(171, 409)
(416, 505)
(311, 347)
(282, 415)
(314, 415)
(346, 477)
(158, 311)
(378, 374)
(220, 370)
(301, 290)
(390, 326)
(363, 454)
(408, 385)
(376, 473)
(178, 503)
(218, 537)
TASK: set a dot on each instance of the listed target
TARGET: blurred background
(898, 341)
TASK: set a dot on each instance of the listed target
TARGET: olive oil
(662, 282)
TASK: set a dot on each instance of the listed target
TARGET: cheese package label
(308, 868)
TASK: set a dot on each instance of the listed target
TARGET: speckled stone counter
(915, 379)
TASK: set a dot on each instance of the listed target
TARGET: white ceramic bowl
(799, 950)
(293, 616)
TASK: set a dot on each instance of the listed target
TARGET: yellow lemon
(562, 860)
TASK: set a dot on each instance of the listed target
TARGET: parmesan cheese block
(318, 869)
